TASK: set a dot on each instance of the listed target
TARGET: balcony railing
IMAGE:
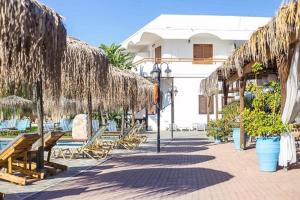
(183, 60)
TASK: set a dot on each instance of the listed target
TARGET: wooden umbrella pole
(207, 108)
(225, 91)
(89, 116)
(283, 71)
(40, 116)
(133, 117)
(122, 121)
(217, 106)
(242, 106)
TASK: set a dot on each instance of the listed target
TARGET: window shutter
(158, 54)
(203, 105)
(203, 53)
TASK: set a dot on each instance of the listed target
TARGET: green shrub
(231, 114)
(218, 129)
(264, 118)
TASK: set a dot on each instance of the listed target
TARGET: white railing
(190, 60)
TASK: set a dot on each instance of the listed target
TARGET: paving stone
(189, 167)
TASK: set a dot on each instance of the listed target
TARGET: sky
(112, 21)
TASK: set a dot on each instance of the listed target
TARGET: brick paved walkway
(188, 168)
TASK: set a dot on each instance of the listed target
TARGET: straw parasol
(27, 28)
(15, 101)
(271, 45)
(32, 45)
(127, 90)
(84, 71)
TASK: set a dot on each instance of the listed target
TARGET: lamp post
(156, 75)
(173, 92)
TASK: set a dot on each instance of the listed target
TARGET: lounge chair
(92, 148)
(48, 126)
(133, 138)
(21, 125)
(112, 126)
(95, 125)
(18, 148)
(8, 124)
(129, 140)
(50, 140)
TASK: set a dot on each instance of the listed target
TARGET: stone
(79, 128)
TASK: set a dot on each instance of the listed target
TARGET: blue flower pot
(236, 138)
(218, 140)
(267, 150)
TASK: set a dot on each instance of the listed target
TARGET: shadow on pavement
(141, 183)
(182, 149)
(169, 159)
(190, 143)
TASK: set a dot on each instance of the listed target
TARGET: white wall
(188, 75)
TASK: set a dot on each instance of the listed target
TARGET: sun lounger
(92, 148)
(8, 124)
(64, 125)
(95, 125)
(18, 148)
(50, 140)
(48, 126)
(111, 126)
(133, 139)
(22, 125)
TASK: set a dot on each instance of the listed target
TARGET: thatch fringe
(266, 45)
(15, 101)
(209, 86)
(84, 69)
(268, 42)
(127, 90)
(32, 42)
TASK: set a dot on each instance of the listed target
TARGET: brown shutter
(203, 106)
(203, 53)
(158, 54)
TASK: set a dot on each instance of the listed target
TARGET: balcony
(180, 60)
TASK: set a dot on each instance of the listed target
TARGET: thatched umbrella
(271, 45)
(15, 101)
(32, 42)
(84, 74)
(127, 90)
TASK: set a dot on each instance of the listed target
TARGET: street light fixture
(156, 75)
(173, 92)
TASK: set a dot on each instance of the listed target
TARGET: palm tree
(118, 56)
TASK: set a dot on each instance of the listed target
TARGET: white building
(193, 46)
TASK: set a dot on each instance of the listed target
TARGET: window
(203, 105)
(203, 54)
(158, 54)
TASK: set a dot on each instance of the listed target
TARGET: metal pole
(158, 114)
(146, 120)
(40, 114)
(242, 106)
(89, 116)
(172, 110)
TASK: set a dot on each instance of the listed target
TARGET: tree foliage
(264, 118)
(118, 56)
(222, 128)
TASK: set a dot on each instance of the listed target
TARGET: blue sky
(108, 21)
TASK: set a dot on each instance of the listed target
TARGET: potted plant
(231, 114)
(263, 121)
(219, 130)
